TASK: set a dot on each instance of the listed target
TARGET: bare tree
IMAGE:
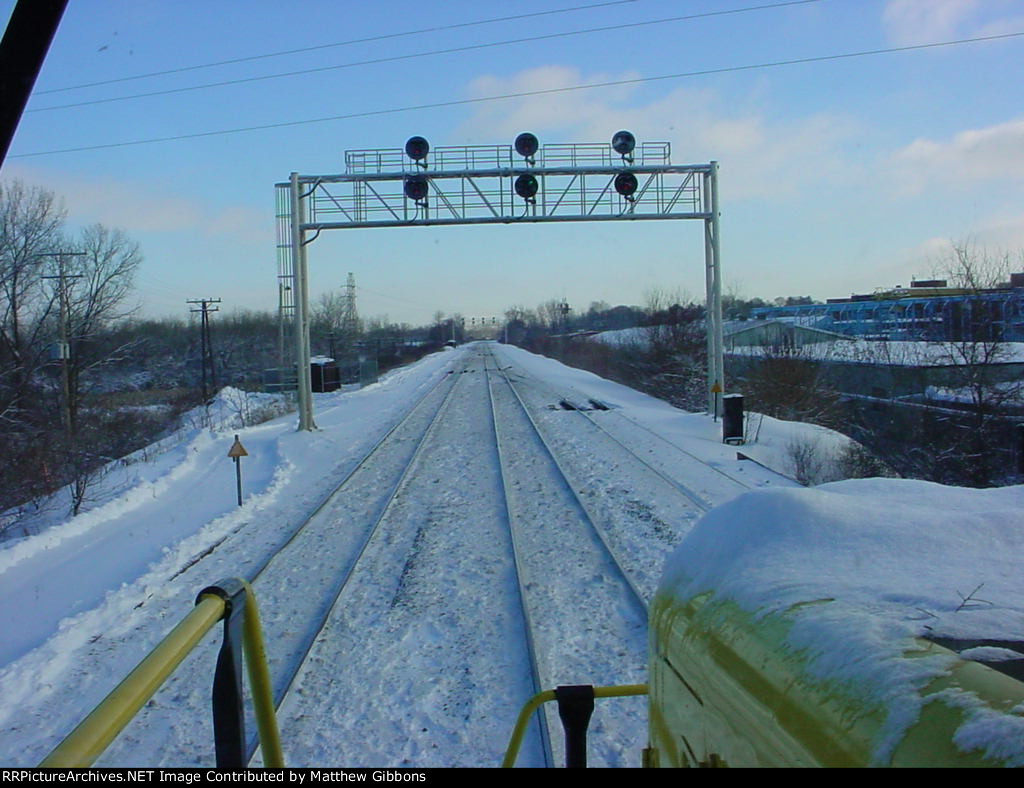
(788, 383)
(30, 230)
(100, 277)
(53, 288)
(957, 427)
(553, 314)
(975, 353)
(329, 313)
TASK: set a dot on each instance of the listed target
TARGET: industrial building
(927, 310)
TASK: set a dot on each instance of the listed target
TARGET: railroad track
(623, 431)
(439, 608)
(336, 531)
(546, 618)
(587, 619)
(433, 603)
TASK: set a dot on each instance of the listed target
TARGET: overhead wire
(350, 42)
(429, 53)
(530, 93)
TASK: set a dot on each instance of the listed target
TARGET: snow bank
(234, 408)
(899, 558)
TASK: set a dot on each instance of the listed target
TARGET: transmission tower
(350, 317)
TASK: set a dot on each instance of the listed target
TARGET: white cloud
(985, 154)
(762, 156)
(552, 113)
(997, 237)
(908, 22)
(138, 207)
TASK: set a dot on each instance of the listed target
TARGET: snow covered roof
(885, 561)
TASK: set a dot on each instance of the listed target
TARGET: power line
(370, 39)
(430, 53)
(528, 93)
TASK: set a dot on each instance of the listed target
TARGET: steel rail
(339, 488)
(694, 497)
(637, 596)
(681, 450)
(531, 646)
(96, 732)
(329, 496)
(335, 595)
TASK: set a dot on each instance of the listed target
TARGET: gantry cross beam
(493, 184)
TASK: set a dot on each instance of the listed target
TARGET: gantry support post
(300, 287)
(713, 266)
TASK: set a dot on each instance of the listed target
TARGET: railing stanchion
(228, 712)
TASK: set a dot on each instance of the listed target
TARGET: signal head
(623, 143)
(415, 187)
(526, 144)
(417, 148)
(625, 184)
(526, 186)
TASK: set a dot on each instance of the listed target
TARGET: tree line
(84, 380)
(60, 292)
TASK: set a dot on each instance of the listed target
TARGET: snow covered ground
(421, 663)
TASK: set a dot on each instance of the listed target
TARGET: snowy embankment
(83, 601)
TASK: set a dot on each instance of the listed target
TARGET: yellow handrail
(95, 733)
(259, 685)
(534, 703)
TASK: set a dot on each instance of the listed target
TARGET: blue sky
(837, 176)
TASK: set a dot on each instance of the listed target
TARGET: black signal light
(625, 184)
(416, 187)
(417, 148)
(623, 143)
(526, 145)
(526, 186)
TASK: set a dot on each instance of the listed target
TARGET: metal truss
(483, 184)
(476, 185)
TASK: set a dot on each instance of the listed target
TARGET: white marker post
(236, 452)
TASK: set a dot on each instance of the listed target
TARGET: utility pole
(207, 345)
(563, 316)
(67, 413)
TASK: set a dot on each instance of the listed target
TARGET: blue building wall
(995, 315)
